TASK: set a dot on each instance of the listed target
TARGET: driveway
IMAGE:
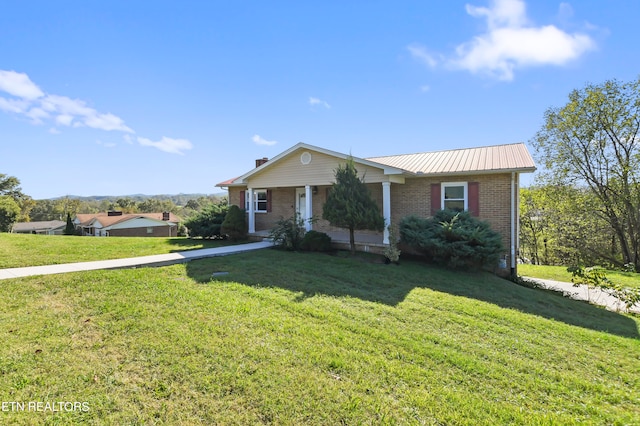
(591, 295)
(155, 260)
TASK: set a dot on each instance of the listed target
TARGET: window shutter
(436, 195)
(243, 203)
(268, 200)
(473, 189)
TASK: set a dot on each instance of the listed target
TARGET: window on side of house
(259, 201)
(455, 196)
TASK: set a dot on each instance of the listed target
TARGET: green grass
(560, 273)
(18, 250)
(290, 338)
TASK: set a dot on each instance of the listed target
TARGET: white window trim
(444, 185)
(255, 201)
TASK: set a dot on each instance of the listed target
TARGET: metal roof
(497, 158)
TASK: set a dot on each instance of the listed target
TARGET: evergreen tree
(70, 229)
(235, 224)
(349, 204)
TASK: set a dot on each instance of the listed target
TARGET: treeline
(568, 225)
(183, 205)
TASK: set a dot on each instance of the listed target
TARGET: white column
(386, 210)
(308, 205)
(252, 213)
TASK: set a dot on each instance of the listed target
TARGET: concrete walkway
(591, 295)
(155, 260)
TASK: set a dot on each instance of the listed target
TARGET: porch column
(386, 210)
(252, 213)
(308, 205)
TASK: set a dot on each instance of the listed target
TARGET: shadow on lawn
(366, 277)
(185, 244)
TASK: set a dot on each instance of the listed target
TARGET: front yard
(291, 338)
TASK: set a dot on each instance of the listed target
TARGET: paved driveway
(582, 292)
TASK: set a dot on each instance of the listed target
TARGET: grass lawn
(559, 273)
(17, 250)
(291, 338)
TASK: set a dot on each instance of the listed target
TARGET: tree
(9, 212)
(349, 203)
(593, 142)
(10, 187)
(70, 229)
(235, 223)
(207, 223)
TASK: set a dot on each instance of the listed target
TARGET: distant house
(118, 224)
(482, 180)
(48, 227)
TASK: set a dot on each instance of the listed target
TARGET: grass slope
(18, 250)
(292, 338)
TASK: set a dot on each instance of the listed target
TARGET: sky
(166, 97)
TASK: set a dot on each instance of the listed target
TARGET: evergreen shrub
(316, 241)
(453, 239)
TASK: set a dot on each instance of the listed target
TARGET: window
(454, 196)
(150, 230)
(259, 200)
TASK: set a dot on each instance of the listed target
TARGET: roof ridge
(448, 150)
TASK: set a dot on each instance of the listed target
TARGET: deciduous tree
(592, 142)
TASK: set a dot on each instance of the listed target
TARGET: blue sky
(125, 97)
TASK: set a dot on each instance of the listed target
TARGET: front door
(301, 202)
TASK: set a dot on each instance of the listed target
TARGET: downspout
(513, 223)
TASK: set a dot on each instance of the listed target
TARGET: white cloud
(19, 85)
(261, 141)
(172, 146)
(315, 101)
(28, 100)
(106, 144)
(511, 42)
(425, 88)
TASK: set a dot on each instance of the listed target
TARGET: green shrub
(316, 241)
(454, 239)
(234, 225)
(288, 233)
(207, 223)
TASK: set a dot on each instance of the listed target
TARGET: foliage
(596, 277)
(9, 212)
(288, 233)
(559, 225)
(235, 224)
(70, 228)
(349, 203)
(207, 223)
(453, 239)
(316, 241)
(391, 251)
(10, 187)
(593, 143)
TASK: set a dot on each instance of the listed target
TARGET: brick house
(118, 224)
(483, 180)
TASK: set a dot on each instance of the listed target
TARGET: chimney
(261, 161)
(114, 213)
(165, 215)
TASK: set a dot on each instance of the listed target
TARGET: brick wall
(411, 198)
(156, 231)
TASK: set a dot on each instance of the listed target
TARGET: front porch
(366, 242)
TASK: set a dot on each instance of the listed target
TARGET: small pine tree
(235, 224)
(349, 203)
(70, 229)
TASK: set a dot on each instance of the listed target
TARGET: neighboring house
(48, 227)
(118, 224)
(483, 180)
